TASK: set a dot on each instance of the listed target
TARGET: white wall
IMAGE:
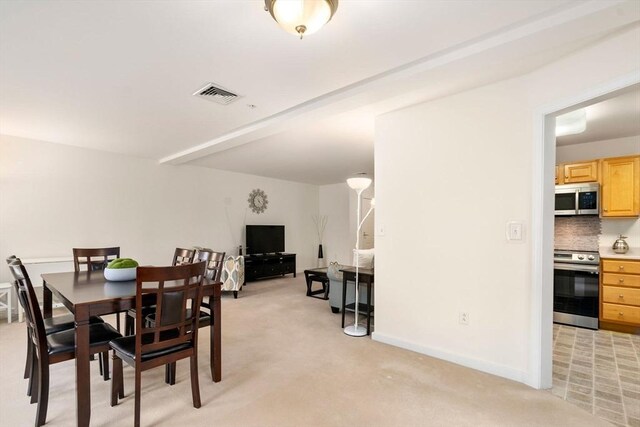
(334, 202)
(340, 203)
(598, 149)
(55, 197)
(449, 175)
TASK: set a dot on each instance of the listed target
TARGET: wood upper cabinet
(621, 187)
(580, 172)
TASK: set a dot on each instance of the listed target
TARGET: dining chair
(94, 258)
(175, 336)
(51, 326)
(48, 349)
(183, 256)
(180, 256)
(214, 263)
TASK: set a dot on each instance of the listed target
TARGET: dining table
(88, 293)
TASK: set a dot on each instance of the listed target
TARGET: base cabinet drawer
(621, 279)
(627, 296)
(620, 313)
(623, 267)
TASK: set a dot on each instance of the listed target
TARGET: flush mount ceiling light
(301, 17)
(571, 123)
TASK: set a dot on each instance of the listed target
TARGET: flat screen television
(265, 239)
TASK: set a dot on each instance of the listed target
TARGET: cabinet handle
(606, 210)
(621, 296)
(621, 280)
(621, 314)
(621, 267)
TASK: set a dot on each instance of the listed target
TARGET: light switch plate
(515, 231)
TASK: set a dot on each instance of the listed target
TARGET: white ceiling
(613, 118)
(118, 76)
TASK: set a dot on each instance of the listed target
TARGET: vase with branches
(320, 222)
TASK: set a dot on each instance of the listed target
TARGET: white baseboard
(459, 359)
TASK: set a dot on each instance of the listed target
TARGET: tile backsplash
(579, 233)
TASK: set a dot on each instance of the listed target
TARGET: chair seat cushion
(127, 345)
(61, 323)
(65, 341)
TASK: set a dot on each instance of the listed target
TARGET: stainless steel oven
(576, 288)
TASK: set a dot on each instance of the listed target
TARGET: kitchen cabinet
(559, 175)
(580, 172)
(621, 187)
(620, 295)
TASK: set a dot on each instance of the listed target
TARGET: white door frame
(542, 224)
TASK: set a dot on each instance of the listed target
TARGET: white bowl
(120, 274)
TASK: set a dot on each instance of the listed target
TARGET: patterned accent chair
(233, 274)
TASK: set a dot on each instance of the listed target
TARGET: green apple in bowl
(121, 270)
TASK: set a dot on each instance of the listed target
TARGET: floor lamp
(358, 183)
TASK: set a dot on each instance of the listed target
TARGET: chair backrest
(183, 256)
(29, 301)
(22, 298)
(214, 260)
(94, 258)
(178, 295)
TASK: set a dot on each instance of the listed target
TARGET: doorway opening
(582, 382)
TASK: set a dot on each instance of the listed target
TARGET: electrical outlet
(463, 318)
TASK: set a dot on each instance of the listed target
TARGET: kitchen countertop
(633, 254)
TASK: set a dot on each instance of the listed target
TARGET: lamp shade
(301, 17)
(359, 182)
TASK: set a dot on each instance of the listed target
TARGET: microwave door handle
(577, 205)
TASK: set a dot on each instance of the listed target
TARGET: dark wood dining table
(88, 293)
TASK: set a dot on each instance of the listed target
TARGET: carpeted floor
(286, 362)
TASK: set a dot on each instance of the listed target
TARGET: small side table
(317, 275)
(365, 275)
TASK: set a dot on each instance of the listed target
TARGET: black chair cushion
(65, 341)
(127, 345)
(61, 323)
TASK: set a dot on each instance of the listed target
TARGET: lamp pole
(359, 184)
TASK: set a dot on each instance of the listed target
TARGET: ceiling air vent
(214, 93)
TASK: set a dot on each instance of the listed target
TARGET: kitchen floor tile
(633, 422)
(598, 371)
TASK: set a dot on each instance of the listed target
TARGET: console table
(269, 265)
(365, 275)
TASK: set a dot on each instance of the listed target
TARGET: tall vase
(320, 256)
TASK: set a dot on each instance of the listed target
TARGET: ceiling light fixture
(301, 17)
(571, 123)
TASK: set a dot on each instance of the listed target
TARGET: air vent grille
(214, 93)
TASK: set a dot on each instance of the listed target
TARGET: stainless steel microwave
(578, 199)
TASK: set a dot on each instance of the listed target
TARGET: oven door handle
(594, 269)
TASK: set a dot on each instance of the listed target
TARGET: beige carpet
(286, 362)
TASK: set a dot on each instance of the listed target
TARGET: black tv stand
(261, 266)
